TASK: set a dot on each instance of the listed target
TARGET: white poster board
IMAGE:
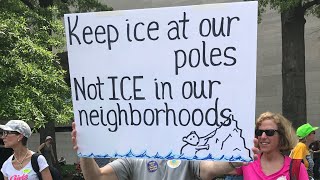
(166, 83)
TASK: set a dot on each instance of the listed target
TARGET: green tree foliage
(293, 14)
(310, 6)
(32, 85)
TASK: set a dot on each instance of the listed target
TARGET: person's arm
(89, 167)
(5, 178)
(52, 154)
(211, 169)
(91, 170)
(46, 174)
(317, 151)
(40, 147)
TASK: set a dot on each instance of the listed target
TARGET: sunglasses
(6, 133)
(269, 132)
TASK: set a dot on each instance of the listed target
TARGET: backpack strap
(295, 169)
(35, 165)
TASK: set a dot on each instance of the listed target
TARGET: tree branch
(310, 4)
(28, 3)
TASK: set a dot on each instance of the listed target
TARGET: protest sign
(167, 83)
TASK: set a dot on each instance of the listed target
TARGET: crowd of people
(275, 139)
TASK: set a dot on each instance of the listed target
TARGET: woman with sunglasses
(15, 135)
(306, 135)
(275, 139)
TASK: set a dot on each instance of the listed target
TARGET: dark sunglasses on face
(269, 132)
(6, 133)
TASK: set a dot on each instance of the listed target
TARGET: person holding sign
(146, 169)
(276, 137)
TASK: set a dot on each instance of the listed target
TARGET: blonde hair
(288, 138)
(303, 140)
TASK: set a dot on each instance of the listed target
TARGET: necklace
(20, 162)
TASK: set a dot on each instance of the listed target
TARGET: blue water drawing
(211, 146)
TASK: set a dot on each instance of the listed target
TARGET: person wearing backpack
(55, 173)
(15, 134)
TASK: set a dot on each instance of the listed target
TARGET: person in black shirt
(315, 146)
(5, 154)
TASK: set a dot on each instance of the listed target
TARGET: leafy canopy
(32, 85)
(310, 6)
